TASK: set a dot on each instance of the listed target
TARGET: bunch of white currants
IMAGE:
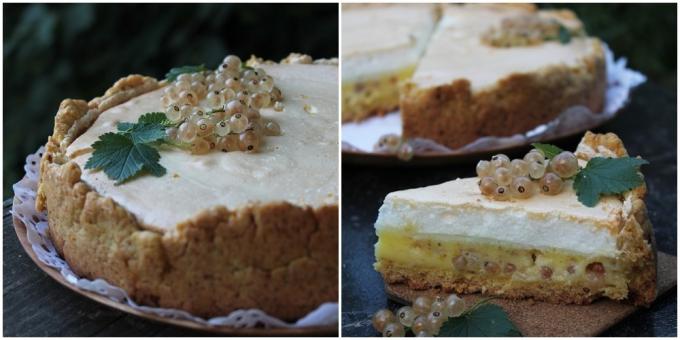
(221, 109)
(425, 317)
(502, 178)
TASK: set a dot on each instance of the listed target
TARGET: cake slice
(498, 70)
(381, 45)
(550, 248)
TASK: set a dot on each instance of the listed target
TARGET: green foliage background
(52, 52)
(61, 51)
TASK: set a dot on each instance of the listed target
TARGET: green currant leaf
(484, 320)
(176, 71)
(607, 176)
(124, 126)
(121, 158)
(549, 150)
(246, 67)
(146, 133)
(564, 35)
(157, 118)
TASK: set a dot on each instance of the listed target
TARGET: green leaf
(564, 35)
(121, 158)
(124, 126)
(176, 71)
(154, 118)
(246, 67)
(607, 176)
(157, 118)
(485, 320)
(549, 150)
(146, 133)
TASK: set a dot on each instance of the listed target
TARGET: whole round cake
(209, 191)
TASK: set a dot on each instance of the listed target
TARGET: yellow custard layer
(361, 99)
(458, 259)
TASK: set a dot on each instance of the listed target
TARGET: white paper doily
(361, 136)
(37, 235)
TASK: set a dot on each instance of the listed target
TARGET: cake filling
(444, 259)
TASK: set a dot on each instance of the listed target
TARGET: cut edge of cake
(370, 81)
(633, 241)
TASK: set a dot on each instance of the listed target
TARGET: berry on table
(381, 318)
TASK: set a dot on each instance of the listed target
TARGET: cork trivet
(536, 319)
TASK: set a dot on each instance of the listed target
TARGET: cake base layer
(376, 96)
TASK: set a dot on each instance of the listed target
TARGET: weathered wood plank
(36, 305)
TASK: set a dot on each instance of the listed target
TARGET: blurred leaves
(645, 34)
(57, 51)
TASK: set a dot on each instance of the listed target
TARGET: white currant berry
(519, 167)
(500, 161)
(484, 168)
(238, 123)
(522, 187)
(564, 164)
(536, 169)
(502, 193)
(393, 329)
(187, 131)
(488, 185)
(551, 184)
(222, 128)
(422, 305)
(173, 113)
(250, 141)
(503, 176)
(406, 315)
(381, 318)
(420, 324)
(455, 306)
(535, 156)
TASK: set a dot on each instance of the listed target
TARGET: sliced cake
(548, 247)
(498, 70)
(381, 44)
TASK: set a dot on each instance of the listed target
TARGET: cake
(465, 88)
(487, 70)
(381, 45)
(219, 231)
(547, 247)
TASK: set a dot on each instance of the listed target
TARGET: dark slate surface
(648, 128)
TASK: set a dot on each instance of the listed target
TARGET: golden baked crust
(634, 240)
(452, 115)
(276, 257)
